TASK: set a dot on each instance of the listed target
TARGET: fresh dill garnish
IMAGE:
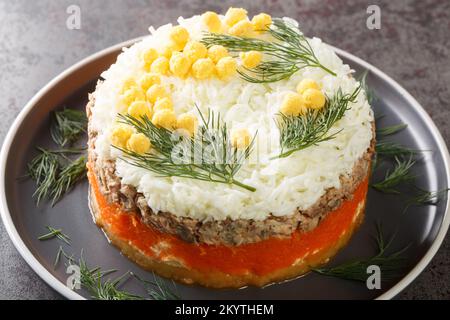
(67, 126)
(186, 157)
(302, 131)
(58, 256)
(55, 173)
(55, 233)
(393, 149)
(400, 174)
(387, 131)
(69, 176)
(370, 95)
(93, 281)
(43, 169)
(425, 197)
(158, 289)
(289, 52)
(390, 265)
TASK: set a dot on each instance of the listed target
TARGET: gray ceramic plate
(424, 227)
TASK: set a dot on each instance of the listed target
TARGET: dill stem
(242, 185)
(326, 69)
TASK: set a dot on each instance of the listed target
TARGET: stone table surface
(412, 46)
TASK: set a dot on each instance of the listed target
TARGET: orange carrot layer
(259, 258)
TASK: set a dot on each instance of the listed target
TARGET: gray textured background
(412, 46)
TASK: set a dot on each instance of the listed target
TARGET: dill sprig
(425, 197)
(220, 166)
(158, 289)
(393, 149)
(390, 265)
(302, 131)
(55, 233)
(289, 52)
(67, 126)
(370, 95)
(390, 130)
(100, 289)
(68, 177)
(93, 280)
(43, 169)
(400, 174)
(55, 173)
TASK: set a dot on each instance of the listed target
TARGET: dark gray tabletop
(412, 46)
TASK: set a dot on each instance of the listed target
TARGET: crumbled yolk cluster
(240, 138)
(138, 143)
(147, 97)
(226, 67)
(184, 57)
(165, 118)
(187, 122)
(120, 135)
(261, 22)
(140, 109)
(250, 59)
(212, 21)
(308, 95)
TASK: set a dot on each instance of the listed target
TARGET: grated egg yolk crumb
(240, 138)
(306, 84)
(150, 55)
(314, 98)
(139, 109)
(160, 65)
(128, 84)
(293, 104)
(234, 15)
(250, 59)
(261, 22)
(179, 64)
(120, 135)
(156, 92)
(131, 95)
(187, 122)
(203, 68)
(179, 35)
(164, 118)
(195, 50)
(242, 28)
(217, 52)
(163, 103)
(138, 143)
(212, 21)
(149, 79)
(226, 67)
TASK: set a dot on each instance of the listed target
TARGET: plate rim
(65, 291)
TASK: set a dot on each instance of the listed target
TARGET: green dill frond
(54, 173)
(393, 149)
(55, 233)
(424, 197)
(68, 177)
(390, 130)
(400, 174)
(370, 94)
(391, 265)
(100, 289)
(67, 126)
(302, 131)
(158, 289)
(180, 157)
(288, 53)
